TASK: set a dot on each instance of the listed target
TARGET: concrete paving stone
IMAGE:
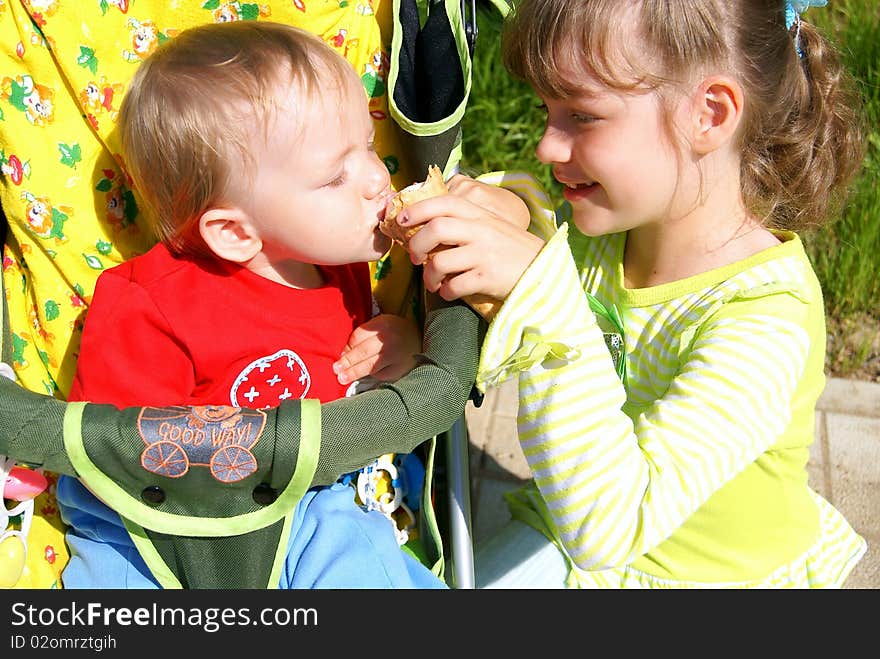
(850, 397)
(854, 456)
(866, 573)
(477, 421)
(844, 463)
(501, 452)
(490, 510)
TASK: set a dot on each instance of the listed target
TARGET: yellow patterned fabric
(47, 553)
(71, 210)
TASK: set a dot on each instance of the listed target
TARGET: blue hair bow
(793, 12)
(795, 8)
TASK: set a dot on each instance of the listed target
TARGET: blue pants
(333, 544)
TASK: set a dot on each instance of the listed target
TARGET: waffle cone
(432, 186)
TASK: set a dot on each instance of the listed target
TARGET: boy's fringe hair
(195, 106)
(801, 135)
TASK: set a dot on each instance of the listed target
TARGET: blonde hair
(800, 138)
(192, 108)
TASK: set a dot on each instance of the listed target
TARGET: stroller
(71, 214)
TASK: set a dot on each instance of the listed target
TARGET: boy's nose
(378, 178)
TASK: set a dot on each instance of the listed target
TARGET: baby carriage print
(215, 436)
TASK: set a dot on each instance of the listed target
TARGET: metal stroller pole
(457, 445)
(459, 498)
(457, 455)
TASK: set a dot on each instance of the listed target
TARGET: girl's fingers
(491, 265)
(445, 205)
(446, 263)
(442, 230)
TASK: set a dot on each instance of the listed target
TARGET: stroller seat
(69, 205)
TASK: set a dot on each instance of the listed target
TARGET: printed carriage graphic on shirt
(220, 436)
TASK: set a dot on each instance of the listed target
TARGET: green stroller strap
(99, 478)
(396, 417)
(429, 80)
(179, 535)
(428, 521)
(6, 343)
(124, 445)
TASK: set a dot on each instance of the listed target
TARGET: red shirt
(164, 331)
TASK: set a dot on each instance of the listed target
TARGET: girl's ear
(718, 109)
(230, 234)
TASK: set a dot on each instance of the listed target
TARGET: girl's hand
(502, 203)
(478, 251)
(384, 347)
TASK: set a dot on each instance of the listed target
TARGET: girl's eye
(579, 118)
(576, 117)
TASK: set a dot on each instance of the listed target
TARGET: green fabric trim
(161, 572)
(129, 507)
(6, 344)
(421, 129)
(309, 452)
(280, 554)
(451, 166)
(503, 6)
(429, 517)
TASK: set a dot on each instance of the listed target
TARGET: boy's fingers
(358, 361)
(358, 336)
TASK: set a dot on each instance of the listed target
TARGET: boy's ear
(717, 111)
(230, 234)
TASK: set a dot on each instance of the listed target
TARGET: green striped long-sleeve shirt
(692, 470)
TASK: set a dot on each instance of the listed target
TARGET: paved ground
(844, 464)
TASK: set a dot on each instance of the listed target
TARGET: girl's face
(320, 188)
(612, 152)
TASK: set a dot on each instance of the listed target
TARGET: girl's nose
(552, 147)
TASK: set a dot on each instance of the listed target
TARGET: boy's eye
(337, 181)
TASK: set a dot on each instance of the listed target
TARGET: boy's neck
(294, 274)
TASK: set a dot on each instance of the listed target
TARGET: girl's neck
(660, 253)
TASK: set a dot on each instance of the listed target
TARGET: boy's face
(320, 189)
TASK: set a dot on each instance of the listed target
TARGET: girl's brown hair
(800, 139)
(193, 109)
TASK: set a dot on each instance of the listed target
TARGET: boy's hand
(384, 347)
(504, 204)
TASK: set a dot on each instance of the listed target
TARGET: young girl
(669, 349)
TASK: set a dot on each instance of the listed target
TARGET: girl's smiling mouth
(574, 192)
